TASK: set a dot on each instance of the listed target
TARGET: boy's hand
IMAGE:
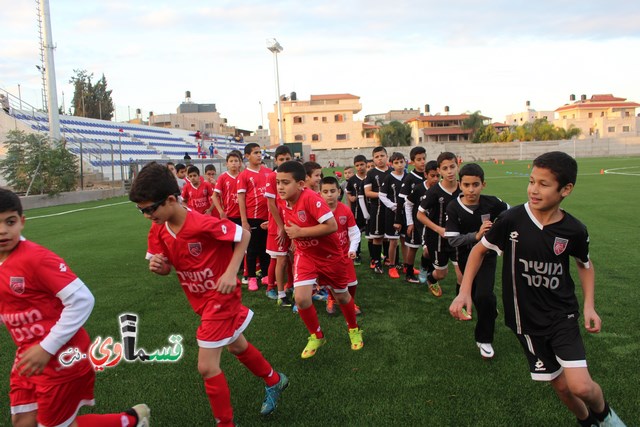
(441, 231)
(293, 231)
(397, 227)
(223, 215)
(264, 225)
(246, 226)
(409, 230)
(483, 229)
(592, 322)
(227, 283)
(281, 236)
(33, 361)
(159, 264)
(352, 255)
(461, 307)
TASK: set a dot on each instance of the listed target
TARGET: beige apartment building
(529, 115)
(440, 128)
(600, 116)
(322, 122)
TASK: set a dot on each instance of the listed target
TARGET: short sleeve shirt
(198, 199)
(375, 178)
(227, 189)
(253, 184)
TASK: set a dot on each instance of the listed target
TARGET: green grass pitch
(418, 367)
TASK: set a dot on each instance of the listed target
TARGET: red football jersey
(253, 184)
(271, 192)
(30, 278)
(345, 219)
(200, 254)
(226, 187)
(198, 199)
(310, 210)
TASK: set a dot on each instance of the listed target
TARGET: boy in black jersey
(418, 157)
(389, 195)
(355, 188)
(377, 211)
(432, 213)
(538, 293)
(469, 217)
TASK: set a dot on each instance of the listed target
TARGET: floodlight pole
(50, 70)
(276, 48)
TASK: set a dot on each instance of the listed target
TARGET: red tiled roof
(453, 130)
(443, 118)
(333, 96)
(583, 105)
(606, 97)
(499, 125)
(368, 126)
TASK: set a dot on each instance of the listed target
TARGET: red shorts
(328, 272)
(351, 272)
(58, 404)
(274, 249)
(222, 332)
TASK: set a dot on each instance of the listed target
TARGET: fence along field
(418, 367)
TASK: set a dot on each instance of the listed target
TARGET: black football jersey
(391, 187)
(355, 187)
(537, 289)
(410, 181)
(375, 178)
(416, 197)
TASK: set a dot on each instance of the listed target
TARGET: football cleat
(284, 301)
(272, 394)
(331, 307)
(272, 294)
(142, 414)
(253, 284)
(355, 336)
(312, 346)
(436, 290)
(486, 350)
(612, 420)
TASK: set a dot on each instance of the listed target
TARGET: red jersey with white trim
(30, 280)
(309, 210)
(345, 219)
(200, 253)
(226, 187)
(271, 192)
(198, 199)
(253, 184)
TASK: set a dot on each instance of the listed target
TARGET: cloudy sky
(490, 56)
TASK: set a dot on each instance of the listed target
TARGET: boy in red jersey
(278, 243)
(44, 304)
(197, 193)
(253, 210)
(225, 196)
(348, 234)
(201, 249)
(210, 174)
(318, 257)
(314, 175)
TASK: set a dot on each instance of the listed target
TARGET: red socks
(258, 365)
(106, 420)
(217, 391)
(310, 318)
(272, 275)
(349, 313)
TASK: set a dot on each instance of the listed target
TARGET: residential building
(440, 128)
(323, 122)
(391, 115)
(529, 115)
(600, 116)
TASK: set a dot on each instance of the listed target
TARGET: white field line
(614, 171)
(76, 210)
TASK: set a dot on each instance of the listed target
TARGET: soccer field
(419, 366)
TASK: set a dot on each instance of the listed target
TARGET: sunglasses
(151, 208)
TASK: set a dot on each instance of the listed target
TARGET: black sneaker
(411, 278)
(357, 261)
(378, 268)
(284, 301)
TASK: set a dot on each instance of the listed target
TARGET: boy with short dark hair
(181, 175)
(432, 213)
(206, 253)
(389, 195)
(355, 189)
(372, 184)
(318, 257)
(254, 211)
(225, 196)
(314, 175)
(42, 296)
(418, 158)
(197, 193)
(348, 234)
(469, 217)
(537, 239)
(210, 174)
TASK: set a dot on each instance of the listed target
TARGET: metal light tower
(276, 48)
(50, 70)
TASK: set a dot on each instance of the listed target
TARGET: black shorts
(416, 238)
(390, 231)
(440, 251)
(377, 221)
(549, 354)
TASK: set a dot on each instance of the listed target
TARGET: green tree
(475, 122)
(32, 161)
(395, 134)
(89, 99)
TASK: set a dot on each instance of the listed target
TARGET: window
(601, 113)
(324, 119)
(564, 117)
(611, 129)
(299, 138)
(338, 118)
(590, 115)
(315, 119)
(626, 129)
(626, 114)
(297, 119)
(341, 137)
(315, 137)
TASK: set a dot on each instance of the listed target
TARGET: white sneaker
(143, 413)
(486, 350)
(612, 420)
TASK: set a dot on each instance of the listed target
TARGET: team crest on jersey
(17, 285)
(302, 216)
(342, 219)
(195, 249)
(559, 245)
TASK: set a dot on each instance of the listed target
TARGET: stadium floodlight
(276, 48)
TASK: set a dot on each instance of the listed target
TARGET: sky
(490, 56)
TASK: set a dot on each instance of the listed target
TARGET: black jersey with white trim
(410, 181)
(537, 288)
(375, 178)
(435, 203)
(391, 187)
(355, 187)
(416, 197)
